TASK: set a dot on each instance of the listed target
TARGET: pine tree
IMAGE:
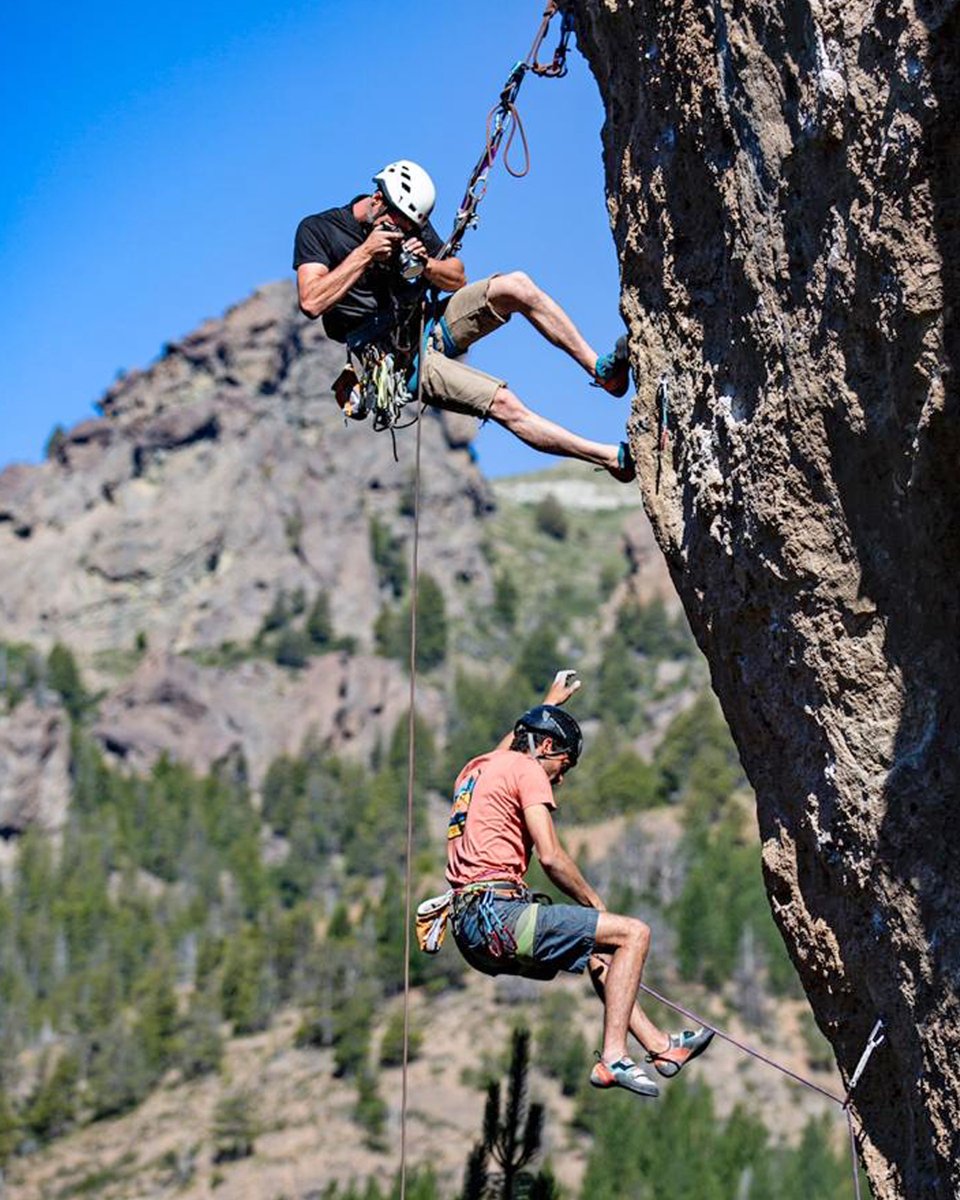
(63, 676)
(52, 1107)
(245, 992)
(118, 1077)
(234, 1127)
(277, 616)
(387, 552)
(551, 518)
(200, 1045)
(512, 1139)
(159, 1019)
(431, 624)
(319, 625)
(506, 599)
(370, 1111)
(9, 1130)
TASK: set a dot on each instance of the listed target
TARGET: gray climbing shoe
(624, 1073)
(683, 1048)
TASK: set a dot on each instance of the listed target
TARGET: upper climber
(355, 266)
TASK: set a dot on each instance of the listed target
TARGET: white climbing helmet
(407, 188)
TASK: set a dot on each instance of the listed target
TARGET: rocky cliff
(783, 189)
(213, 479)
(157, 537)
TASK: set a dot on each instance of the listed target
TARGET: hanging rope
(503, 121)
(411, 771)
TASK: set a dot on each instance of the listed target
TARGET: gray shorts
(549, 938)
(447, 382)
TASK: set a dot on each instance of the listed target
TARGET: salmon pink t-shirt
(487, 837)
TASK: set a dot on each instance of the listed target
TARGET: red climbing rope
(503, 121)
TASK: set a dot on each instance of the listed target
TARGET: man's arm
(565, 683)
(319, 287)
(556, 862)
(447, 274)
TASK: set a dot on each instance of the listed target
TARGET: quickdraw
(385, 357)
(381, 391)
(499, 939)
(504, 119)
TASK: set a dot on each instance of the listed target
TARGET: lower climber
(354, 267)
(502, 808)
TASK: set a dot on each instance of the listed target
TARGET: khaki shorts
(447, 382)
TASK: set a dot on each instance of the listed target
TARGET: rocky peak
(216, 477)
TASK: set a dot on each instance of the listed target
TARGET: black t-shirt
(328, 238)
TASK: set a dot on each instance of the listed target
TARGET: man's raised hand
(565, 683)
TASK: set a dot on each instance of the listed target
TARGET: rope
(411, 768)
(502, 117)
(853, 1156)
(875, 1039)
(752, 1051)
(503, 120)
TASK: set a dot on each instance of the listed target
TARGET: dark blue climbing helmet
(553, 722)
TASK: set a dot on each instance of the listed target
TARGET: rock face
(34, 760)
(784, 190)
(214, 479)
(203, 715)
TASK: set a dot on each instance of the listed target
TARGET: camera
(409, 264)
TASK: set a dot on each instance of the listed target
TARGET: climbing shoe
(624, 1073)
(625, 471)
(683, 1048)
(612, 372)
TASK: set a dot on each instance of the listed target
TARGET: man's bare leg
(617, 981)
(509, 411)
(517, 293)
(650, 1036)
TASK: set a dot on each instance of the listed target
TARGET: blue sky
(156, 161)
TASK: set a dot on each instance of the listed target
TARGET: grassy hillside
(201, 980)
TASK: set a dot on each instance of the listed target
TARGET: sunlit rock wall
(783, 189)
